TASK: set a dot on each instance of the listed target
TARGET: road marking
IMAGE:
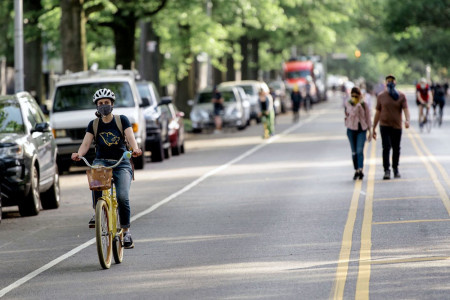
(441, 190)
(408, 260)
(407, 198)
(410, 221)
(74, 251)
(362, 283)
(347, 239)
(432, 158)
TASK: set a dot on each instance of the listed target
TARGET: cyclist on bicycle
(439, 100)
(110, 144)
(423, 97)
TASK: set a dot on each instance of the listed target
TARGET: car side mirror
(166, 100)
(41, 127)
(145, 102)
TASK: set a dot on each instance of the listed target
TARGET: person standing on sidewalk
(358, 122)
(390, 104)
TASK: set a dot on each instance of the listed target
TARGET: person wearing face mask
(111, 143)
(358, 122)
(390, 104)
(423, 99)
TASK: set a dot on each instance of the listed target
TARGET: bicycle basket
(99, 178)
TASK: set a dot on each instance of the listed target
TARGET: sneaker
(397, 174)
(92, 222)
(127, 240)
(356, 176)
(387, 175)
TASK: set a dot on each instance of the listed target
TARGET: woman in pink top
(358, 122)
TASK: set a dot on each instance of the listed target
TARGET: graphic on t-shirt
(109, 138)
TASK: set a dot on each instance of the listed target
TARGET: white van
(73, 109)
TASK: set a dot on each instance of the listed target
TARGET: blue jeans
(357, 139)
(122, 175)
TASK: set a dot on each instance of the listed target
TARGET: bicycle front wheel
(102, 234)
(428, 124)
(118, 242)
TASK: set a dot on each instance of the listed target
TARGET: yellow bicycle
(109, 237)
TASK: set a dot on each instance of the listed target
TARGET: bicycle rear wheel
(118, 242)
(102, 234)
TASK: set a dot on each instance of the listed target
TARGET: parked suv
(73, 109)
(156, 141)
(251, 88)
(236, 108)
(29, 173)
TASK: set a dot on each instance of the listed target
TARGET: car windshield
(227, 96)
(298, 74)
(11, 120)
(79, 96)
(144, 91)
(249, 90)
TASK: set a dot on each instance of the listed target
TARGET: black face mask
(105, 109)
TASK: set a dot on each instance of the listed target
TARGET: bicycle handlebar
(126, 155)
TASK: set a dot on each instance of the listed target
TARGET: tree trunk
(33, 52)
(217, 76)
(254, 65)
(245, 58)
(231, 73)
(73, 35)
(185, 90)
(124, 27)
(149, 64)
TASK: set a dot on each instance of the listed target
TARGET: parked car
(28, 155)
(236, 108)
(175, 126)
(156, 140)
(251, 88)
(72, 110)
(281, 94)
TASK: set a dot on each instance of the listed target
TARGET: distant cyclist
(439, 100)
(423, 99)
(110, 144)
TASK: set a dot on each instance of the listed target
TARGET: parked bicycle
(108, 234)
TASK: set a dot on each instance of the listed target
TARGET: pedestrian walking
(296, 98)
(217, 101)
(358, 122)
(267, 113)
(390, 104)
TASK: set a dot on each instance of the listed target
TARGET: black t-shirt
(110, 143)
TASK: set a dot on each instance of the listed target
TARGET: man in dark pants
(390, 104)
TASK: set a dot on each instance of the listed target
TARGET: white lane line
(74, 251)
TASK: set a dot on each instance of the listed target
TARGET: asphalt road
(239, 217)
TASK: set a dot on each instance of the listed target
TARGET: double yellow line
(363, 278)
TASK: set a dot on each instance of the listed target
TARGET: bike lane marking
(191, 185)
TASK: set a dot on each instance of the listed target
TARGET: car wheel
(50, 199)
(157, 151)
(30, 205)
(168, 152)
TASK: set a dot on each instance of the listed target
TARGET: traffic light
(357, 53)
